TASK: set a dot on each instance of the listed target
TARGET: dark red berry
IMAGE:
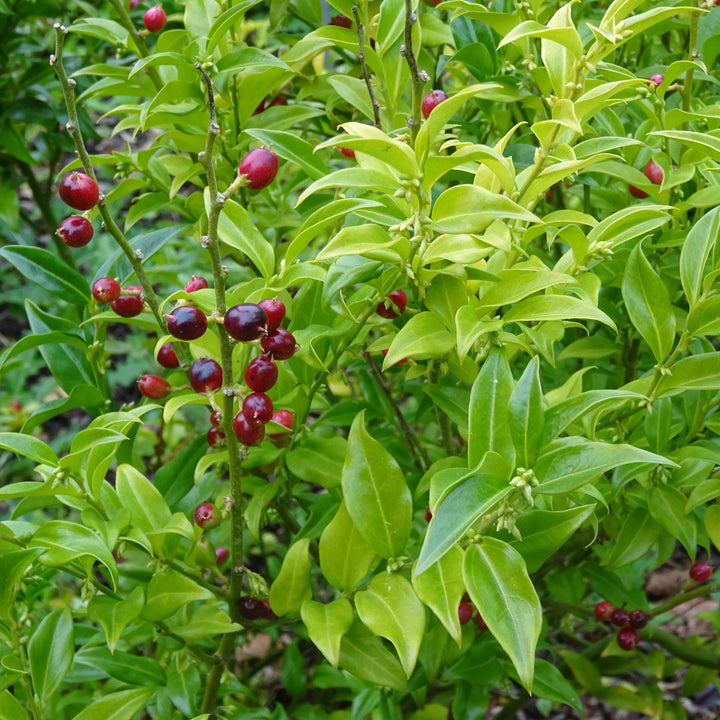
(637, 192)
(428, 515)
(340, 21)
(431, 101)
(187, 322)
(627, 638)
(196, 283)
(129, 305)
(261, 373)
(75, 231)
(79, 191)
(260, 167)
(620, 617)
(206, 516)
(284, 418)
(155, 19)
(257, 408)
(279, 344)
(638, 619)
(481, 625)
(106, 289)
(275, 312)
(655, 80)
(654, 173)
(153, 386)
(167, 357)
(251, 608)
(399, 362)
(206, 375)
(247, 433)
(347, 152)
(215, 418)
(268, 612)
(603, 610)
(15, 405)
(134, 3)
(280, 100)
(246, 322)
(221, 554)
(216, 438)
(701, 571)
(465, 612)
(396, 305)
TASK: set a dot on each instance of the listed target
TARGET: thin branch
(363, 65)
(415, 77)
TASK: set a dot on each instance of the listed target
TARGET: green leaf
(517, 283)
(551, 684)
(489, 405)
(28, 446)
(698, 247)
(629, 223)
(50, 652)
(50, 273)
(471, 208)
(461, 509)
(13, 567)
(369, 240)
(377, 497)
(637, 536)
(81, 396)
(422, 337)
(293, 149)
(326, 625)
(353, 178)
(10, 707)
(441, 588)
(318, 460)
(345, 556)
(666, 505)
(116, 615)
(354, 91)
(526, 414)
(542, 308)
(708, 145)
(147, 506)
(704, 317)
(236, 228)
(131, 669)
(697, 372)
(116, 706)
(292, 587)
(226, 21)
(712, 524)
(36, 340)
(391, 609)
(208, 619)
(497, 581)
(168, 591)
(648, 304)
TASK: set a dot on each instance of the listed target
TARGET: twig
(363, 65)
(415, 77)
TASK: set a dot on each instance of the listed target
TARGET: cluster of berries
(466, 611)
(628, 622)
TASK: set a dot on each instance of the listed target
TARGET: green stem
(220, 662)
(692, 55)
(25, 680)
(363, 65)
(683, 597)
(677, 648)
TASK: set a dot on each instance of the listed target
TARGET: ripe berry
(284, 418)
(106, 289)
(261, 373)
(268, 612)
(656, 80)
(347, 152)
(245, 322)
(196, 283)
(431, 101)
(627, 638)
(221, 554)
(396, 306)
(278, 101)
(603, 610)
(215, 418)
(257, 408)
(275, 311)
(428, 515)
(206, 375)
(205, 516)
(260, 167)
(155, 19)
(465, 612)
(216, 438)
(187, 322)
(153, 386)
(247, 433)
(340, 21)
(481, 625)
(620, 617)
(15, 405)
(637, 192)
(654, 173)
(279, 344)
(701, 571)
(251, 608)
(129, 305)
(638, 619)
(79, 191)
(167, 357)
(134, 3)
(75, 231)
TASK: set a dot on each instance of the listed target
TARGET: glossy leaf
(28, 446)
(116, 615)
(129, 668)
(698, 247)
(236, 228)
(318, 460)
(10, 707)
(526, 414)
(168, 591)
(424, 336)
(292, 588)
(147, 506)
(712, 524)
(697, 372)
(555, 307)
(120, 705)
(50, 652)
(638, 534)
(665, 504)
(326, 625)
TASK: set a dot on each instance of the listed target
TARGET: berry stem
(363, 65)
(680, 598)
(417, 82)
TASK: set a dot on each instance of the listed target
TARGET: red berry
(205, 516)
(428, 515)
(275, 311)
(481, 625)
(257, 408)
(106, 289)
(187, 322)
(221, 554)
(75, 231)
(279, 344)
(603, 610)
(129, 305)
(284, 418)
(155, 19)
(656, 80)
(627, 638)
(215, 437)
(206, 375)
(167, 357)
(347, 152)
(251, 608)
(260, 167)
(340, 21)
(637, 192)
(701, 571)
(431, 101)
(398, 298)
(268, 612)
(278, 101)
(638, 619)
(79, 191)
(260, 108)
(215, 418)
(153, 386)
(261, 373)
(15, 405)
(196, 283)
(620, 617)
(247, 433)
(245, 322)
(399, 362)
(654, 173)
(465, 612)
(134, 3)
